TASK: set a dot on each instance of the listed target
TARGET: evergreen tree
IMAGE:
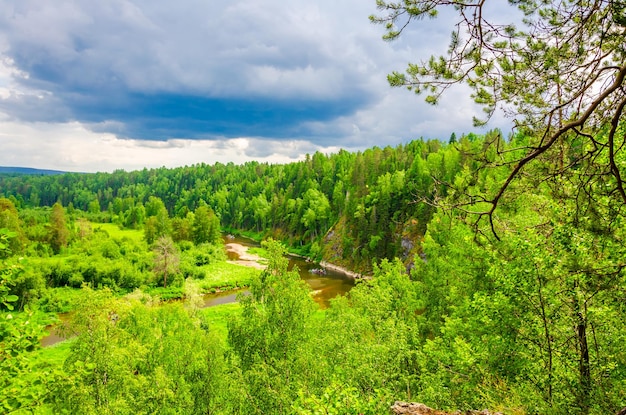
(58, 232)
(560, 71)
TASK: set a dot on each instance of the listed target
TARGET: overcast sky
(126, 84)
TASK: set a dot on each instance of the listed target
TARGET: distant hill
(28, 170)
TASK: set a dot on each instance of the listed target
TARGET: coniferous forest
(519, 312)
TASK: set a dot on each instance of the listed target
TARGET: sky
(92, 86)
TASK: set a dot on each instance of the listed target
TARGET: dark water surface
(54, 331)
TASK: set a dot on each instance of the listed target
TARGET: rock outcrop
(412, 408)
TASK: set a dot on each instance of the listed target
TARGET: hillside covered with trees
(358, 206)
(531, 316)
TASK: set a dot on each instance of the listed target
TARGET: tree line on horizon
(367, 200)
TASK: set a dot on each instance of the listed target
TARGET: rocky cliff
(412, 408)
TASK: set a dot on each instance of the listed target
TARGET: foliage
(339, 399)
(7, 272)
(22, 381)
(558, 68)
(268, 336)
(9, 220)
(130, 357)
(166, 259)
(532, 322)
(59, 234)
(59, 299)
(206, 226)
(97, 271)
(157, 224)
(301, 203)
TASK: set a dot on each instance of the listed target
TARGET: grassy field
(115, 232)
(226, 276)
(218, 317)
(54, 355)
(218, 276)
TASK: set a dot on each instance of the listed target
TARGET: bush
(110, 250)
(96, 271)
(27, 286)
(185, 245)
(188, 270)
(169, 293)
(59, 300)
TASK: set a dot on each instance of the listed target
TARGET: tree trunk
(546, 328)
(165, 273)
(584, 367)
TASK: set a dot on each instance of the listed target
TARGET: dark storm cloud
(151, 70)
(88, 85)
(167, 115)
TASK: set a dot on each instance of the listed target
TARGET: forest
(522, 314)
(491, 267)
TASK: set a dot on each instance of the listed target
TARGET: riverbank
(251, 260)
(243, 257)
(350, 274)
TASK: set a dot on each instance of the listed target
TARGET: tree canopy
(558, 70)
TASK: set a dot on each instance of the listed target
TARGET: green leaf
(11, 298)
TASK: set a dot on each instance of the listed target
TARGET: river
(323, 287)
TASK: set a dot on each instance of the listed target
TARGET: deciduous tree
(166, 259)
(9, 219)
(58, 233)
(206, 226)
(270, 333)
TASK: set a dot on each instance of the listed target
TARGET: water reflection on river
(55, 333)
(324, 287)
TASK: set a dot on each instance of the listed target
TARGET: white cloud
(203, 46)
(59, 55)
(71, 147)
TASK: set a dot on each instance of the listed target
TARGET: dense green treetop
(531, 323)
(368, 193)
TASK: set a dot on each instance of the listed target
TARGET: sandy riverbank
(251, 260)
(244, 258)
